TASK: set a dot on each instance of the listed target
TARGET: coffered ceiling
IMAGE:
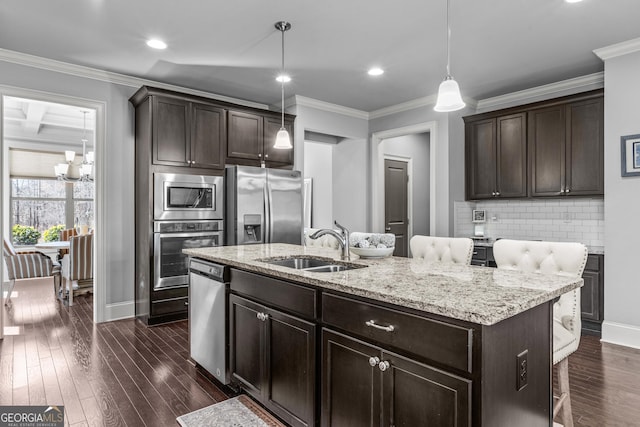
(232, 48)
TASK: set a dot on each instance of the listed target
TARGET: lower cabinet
(364, 385)
(273, 359)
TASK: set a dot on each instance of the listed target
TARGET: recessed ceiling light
(573, 1)
(156, 44)
(375, 71)
(283, 78)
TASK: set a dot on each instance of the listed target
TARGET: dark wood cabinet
(273, 359)
(364, 385)
(187, 134)
(251, 138)
(551, 148)
(592, 295)
(567, 149)
(496, 157)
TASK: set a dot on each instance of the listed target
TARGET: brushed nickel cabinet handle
(373, 324)
(383, 366)
(373, 361)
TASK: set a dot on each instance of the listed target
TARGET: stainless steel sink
(317, 265)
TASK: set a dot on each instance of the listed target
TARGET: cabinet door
(414, 394)
(271, 127)
(585, 148)
(547, 151)
(511, 156)
(291, 368)
(350, 385)
(244, 139)
(246, 334)
(481, 159)
(590, 296)
(208, 133)
(170, 132)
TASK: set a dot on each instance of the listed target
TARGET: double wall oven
(188, 213)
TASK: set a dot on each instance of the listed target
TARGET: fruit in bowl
(377, 252)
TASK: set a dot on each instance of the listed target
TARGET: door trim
(377, 175)
(100, 243)
(409, 162)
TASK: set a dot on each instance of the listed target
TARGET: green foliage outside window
(52, 234)
(24, 235)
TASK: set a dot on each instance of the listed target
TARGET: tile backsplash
(571, 220)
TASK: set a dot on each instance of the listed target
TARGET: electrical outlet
(522, 367)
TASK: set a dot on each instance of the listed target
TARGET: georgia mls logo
(31, 416)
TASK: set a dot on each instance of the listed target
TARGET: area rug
(239, 411)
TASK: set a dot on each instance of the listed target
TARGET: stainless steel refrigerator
(262, 205)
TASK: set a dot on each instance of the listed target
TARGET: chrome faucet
(342, 237)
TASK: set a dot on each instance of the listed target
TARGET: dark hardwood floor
(125, 374)
(116, 374)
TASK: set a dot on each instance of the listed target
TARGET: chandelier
(86, 167)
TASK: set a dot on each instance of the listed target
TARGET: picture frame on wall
(479, 215)
(630, 153)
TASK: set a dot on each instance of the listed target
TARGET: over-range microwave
(186, 197)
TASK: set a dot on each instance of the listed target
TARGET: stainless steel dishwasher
(208, 284)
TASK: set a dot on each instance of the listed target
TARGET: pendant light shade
(283, 140)
(449, 98)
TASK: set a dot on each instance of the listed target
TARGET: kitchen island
(394, 342)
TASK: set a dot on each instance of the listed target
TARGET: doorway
(396, 202)
(36, 129)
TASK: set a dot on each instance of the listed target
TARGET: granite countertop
(476, 294)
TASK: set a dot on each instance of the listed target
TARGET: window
(44, 203)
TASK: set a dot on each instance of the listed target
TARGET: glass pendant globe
(283, 140)
(449, 98)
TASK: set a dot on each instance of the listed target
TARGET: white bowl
(372, 252)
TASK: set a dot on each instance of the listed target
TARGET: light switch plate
(522, 368)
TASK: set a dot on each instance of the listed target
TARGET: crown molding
(404, 106)
(526, 95)
(618, 49)
(332, 108)
(110, 77)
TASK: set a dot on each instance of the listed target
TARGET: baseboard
(621, 334)
(118, 311)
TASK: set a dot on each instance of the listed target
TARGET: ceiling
(232, 48)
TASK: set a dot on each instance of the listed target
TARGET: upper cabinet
(194, 132)
(567, 149)
(547, 149)
(251, 139)
(187, 133)
(496, 151)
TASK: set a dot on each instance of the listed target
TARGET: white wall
(415, 147)
(318, 165)
(350, 177)
(621, 204)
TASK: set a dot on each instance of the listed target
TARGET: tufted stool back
(455, 250)
(564, 259)
(326, 241)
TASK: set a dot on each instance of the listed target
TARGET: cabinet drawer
(434, 340)
(278, 293)
(175, 305)
(593, 263)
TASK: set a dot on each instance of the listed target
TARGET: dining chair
(27, 265)
(453, 250)
(77, 268)
(563, 259)
(65, 235)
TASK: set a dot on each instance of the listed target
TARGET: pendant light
(449, 98)
(283, 140)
